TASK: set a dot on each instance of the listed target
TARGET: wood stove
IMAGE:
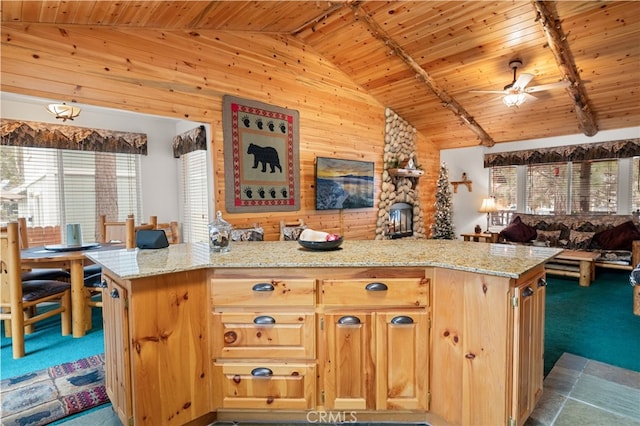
(400, 220)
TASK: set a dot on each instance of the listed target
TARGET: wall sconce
(63, 111)
(488, 206)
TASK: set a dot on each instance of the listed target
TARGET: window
(635, 185)
(504, 186)
(195, 215)
(564, 187)
(594, 186)
(52, 187)
(547, 186)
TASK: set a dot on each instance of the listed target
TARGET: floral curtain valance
(35, 134)
(584, 152)
(191, 140)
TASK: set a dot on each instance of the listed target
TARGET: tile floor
(577, 392)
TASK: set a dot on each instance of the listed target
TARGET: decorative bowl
(321, 245)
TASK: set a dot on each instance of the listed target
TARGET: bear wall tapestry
(261, 158)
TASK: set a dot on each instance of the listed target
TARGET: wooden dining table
(72, 259)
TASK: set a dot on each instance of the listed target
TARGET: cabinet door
(349, 365)
(116, 349)
(528, 347)
(402, 360)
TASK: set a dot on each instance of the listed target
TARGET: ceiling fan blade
(503, 92)
(522, 81)
(558, 85)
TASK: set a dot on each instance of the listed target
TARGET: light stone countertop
(492, 259)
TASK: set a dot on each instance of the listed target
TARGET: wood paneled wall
(185, 74)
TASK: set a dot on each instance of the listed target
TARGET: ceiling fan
(516, 92)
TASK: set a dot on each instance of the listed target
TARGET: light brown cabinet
(528, 301)
(115, 314)
(260, 343)
(263, 342)
(487, 346)
(157, 349)
(375, 334)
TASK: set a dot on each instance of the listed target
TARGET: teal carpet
(46, 347)
(594, 322)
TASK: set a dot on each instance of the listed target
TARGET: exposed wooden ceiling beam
(557, 41)
(422, 75)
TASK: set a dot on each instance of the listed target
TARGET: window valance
(35, 134)
(188, 141)
(584, 152)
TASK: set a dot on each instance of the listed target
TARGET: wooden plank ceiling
(422, 59)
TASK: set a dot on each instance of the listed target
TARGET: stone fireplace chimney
(400, 180)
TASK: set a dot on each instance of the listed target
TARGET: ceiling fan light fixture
(513, 99)
(63, 111)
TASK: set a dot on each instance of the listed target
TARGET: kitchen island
(402, 330)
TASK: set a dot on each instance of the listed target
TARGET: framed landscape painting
(343, 184)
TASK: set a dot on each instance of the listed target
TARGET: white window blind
(635, 185)
(56, 187)
(594, 186)
(547, 188)
(504, 186)
(195, 203)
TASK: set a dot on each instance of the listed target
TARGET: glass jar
(219, 234)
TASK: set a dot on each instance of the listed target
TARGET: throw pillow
(518, 232)
(551, 236)
(579, 240)
(247, 234)
(617, 238)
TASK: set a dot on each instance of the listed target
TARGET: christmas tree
(442, 229)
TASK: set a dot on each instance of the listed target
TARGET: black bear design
(264, 155)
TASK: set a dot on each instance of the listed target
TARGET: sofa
(616, 238)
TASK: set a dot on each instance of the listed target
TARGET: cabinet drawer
(376, 292)
(263, 335)
(266, 292)
(264, 385)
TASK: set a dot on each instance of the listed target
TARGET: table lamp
(488, 206)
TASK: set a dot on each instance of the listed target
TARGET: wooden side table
(483, 236)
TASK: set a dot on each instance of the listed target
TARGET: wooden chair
(290, 231)
(172, 230)
(18, 296)
(248, 233)
(111, 231)
(38, 274)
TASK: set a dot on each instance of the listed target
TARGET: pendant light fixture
(63, 111)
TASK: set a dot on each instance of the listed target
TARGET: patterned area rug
(40, 397)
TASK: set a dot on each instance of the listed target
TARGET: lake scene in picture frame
(343, 184)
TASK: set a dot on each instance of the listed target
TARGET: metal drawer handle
(263, 287)
(402, 319)
(528, 292)
(262, 372)
(264, 319)
(376, 287)
(542, 282)
(349, 320)
(114, 293)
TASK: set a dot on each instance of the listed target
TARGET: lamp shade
(513, 99)
(63, 111)
(488, 205)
